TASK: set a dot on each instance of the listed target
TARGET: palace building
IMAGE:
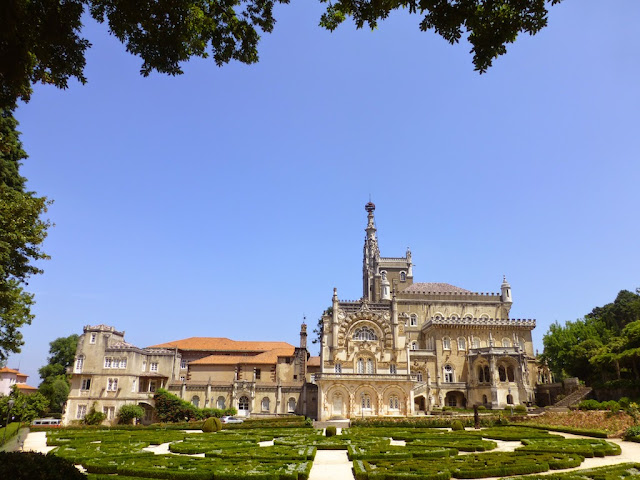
(408, 347)
(404, 348)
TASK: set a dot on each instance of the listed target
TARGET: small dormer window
(403, 276)
(93, 337)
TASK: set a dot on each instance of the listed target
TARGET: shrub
(30, 465)
(632, 433)
(94, 417)
(128, 413)
(331, 431)
(482, 408)
(611, 405)
(170, 408)
(457, 425)
(212, 424)
(520, 409)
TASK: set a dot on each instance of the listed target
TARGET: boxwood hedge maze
(376, 453)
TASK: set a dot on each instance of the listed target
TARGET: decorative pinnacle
(370, 207)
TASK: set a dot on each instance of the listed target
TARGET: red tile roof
(265, 358)
(222, 345)
(313, 362)
(25, 387)
(11, 370)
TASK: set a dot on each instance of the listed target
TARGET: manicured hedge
(576, 431)
(626, 471)
(35, 466)
(465, 466)
(585, 447)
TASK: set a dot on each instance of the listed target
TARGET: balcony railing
(366, 376)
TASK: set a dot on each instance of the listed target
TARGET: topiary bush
(212, 424)
(456, 425)
(520, 409)
(331, 431)
(128, 413)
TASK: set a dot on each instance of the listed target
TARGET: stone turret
(505, 291)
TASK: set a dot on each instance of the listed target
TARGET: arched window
(370, 368)
(403, 276)
(265, 404)
(506, 342)
(414, 345)
(448, 374)
(446, 343)
(502, 373)
(487, 376)
(360, 368)
(196, 401)
(366, 401)
(393, 402)
(475, 342)
(291, 405)
(419, 375)
(462, 345)
(338, 368)
(220, 403)
(79, 363)
(393, 369)
(364, 333)
(510, 374)
(243, 403)
(480, 375)
(413, 320)
(509, 399)
(484, 399)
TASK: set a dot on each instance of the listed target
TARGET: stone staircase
(571, 399)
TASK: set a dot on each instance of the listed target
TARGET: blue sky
(230, 201)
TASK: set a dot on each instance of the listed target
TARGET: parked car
(46, 422)
(231, 420)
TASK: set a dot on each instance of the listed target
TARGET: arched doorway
(455, 399)
(243, 406)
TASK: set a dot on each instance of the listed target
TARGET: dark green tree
(22, 232)
(25, 407)
(603, 346)
(41, 40)
(55, 380)
(489, 24)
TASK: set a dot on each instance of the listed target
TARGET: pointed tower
(371, 255)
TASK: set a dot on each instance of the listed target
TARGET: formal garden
(285, 449)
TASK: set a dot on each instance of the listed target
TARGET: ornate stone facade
(408, 347)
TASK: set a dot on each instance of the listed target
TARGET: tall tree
(41, 42)
(603, 346)
(55, 381)
(22, 232)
